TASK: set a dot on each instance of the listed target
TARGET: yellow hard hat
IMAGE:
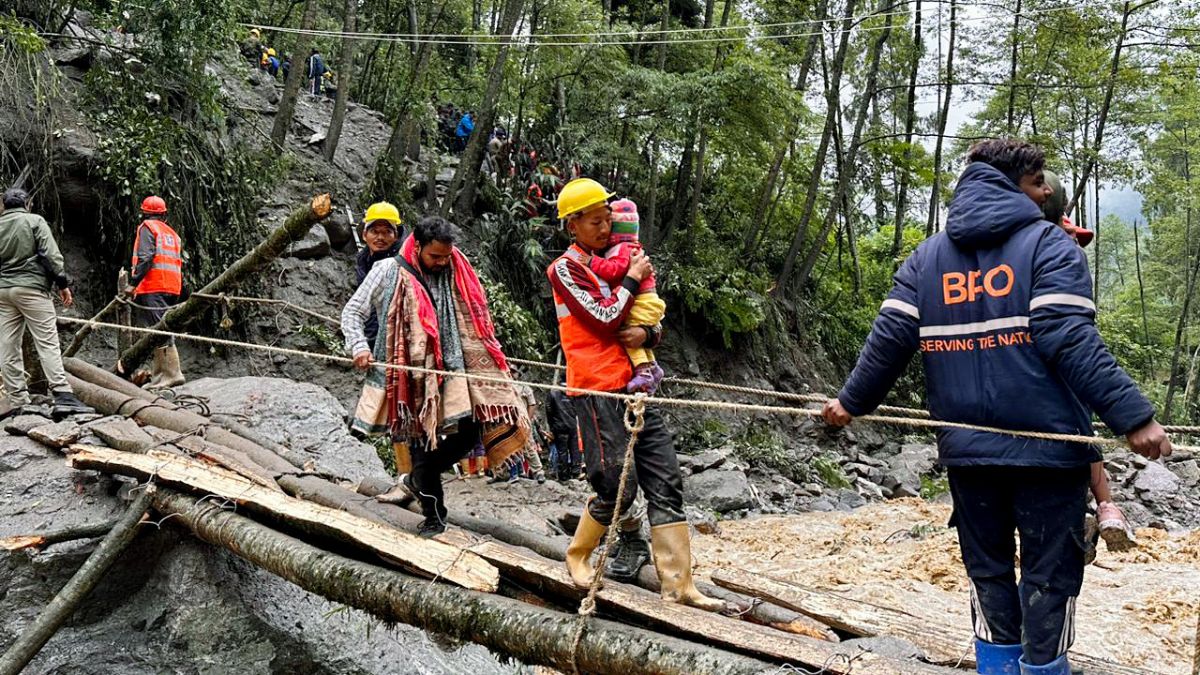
(270, 51)
(382, 211)
(255, 32)
(580, 195)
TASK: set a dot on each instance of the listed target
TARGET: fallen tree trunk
(555, 548)
(552, 579)
(40, 541)
(107, 380)
(296, 226)
(178, 420)
(941, 643)
(35, 636)
(425, 556)
(534, 635)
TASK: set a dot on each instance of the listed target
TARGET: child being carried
(648, 309)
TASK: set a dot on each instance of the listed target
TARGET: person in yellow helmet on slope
(382, 232)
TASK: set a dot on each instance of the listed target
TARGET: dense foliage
(785, 155)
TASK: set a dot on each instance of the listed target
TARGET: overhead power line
(634, 37)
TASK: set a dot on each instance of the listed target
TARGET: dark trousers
(655, 469)
(429, 465)
(1046, 507)
(152, 307)
(569, 459)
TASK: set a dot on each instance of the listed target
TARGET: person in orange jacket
(156, 282)
(1114, 527)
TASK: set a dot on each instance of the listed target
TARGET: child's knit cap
(624, 220)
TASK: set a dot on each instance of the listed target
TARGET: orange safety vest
(594, 361)
(166, 272)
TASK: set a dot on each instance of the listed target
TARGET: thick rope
(635, 421)
(755, 391)
(676, 402)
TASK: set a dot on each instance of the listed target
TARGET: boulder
(904, 470)
(57, 435)
(1155, 477)
(721, 490)
(304, 417)
(315, 244)
(1187, 471)
(339, 229)
(709, 459)
(22, 424)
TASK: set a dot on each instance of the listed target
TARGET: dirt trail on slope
(1138, 608)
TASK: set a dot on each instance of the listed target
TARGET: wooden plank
(644, 606)
(431, 558)
(941, 642)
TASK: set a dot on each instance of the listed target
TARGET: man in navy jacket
(1000, 306)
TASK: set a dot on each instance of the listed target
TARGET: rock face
(304, 417)
(172, 604)
(721, 490)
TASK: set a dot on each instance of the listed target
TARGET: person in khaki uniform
(30, 266)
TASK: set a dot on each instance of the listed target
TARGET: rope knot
(635, 414)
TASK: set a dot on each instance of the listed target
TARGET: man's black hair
(1012, 157)
(16, 198)
(435, 228)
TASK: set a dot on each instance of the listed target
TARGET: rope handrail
(739, 389)
(914, 422)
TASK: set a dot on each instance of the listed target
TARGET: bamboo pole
(534, 635)
(36, 635)
(295, 227)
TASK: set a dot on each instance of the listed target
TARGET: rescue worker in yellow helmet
(382, 233)
(590, 317)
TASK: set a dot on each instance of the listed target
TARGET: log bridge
(484, 580)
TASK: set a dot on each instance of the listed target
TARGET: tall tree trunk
(1191, 393)
(1012, 70)
(1137, 258)
(832, 91)
(693, 210)
(1114, 66)
(1096, 228)
(345, 79)
(298, 74)
(910, 120)
(390, 176)
(849, 168)
(1190, 276)
(650, 221)
(767, 188)
(935, 196)
(467, 175)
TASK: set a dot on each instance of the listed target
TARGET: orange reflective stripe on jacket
(166, 270)
(595, 361)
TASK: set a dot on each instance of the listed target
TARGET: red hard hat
(154, 204)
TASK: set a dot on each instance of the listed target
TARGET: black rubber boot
(628, 555)
(65, 405)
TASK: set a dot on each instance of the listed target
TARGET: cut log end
(321, 206)
(22, 542)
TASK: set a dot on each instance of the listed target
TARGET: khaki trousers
(22, 308)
